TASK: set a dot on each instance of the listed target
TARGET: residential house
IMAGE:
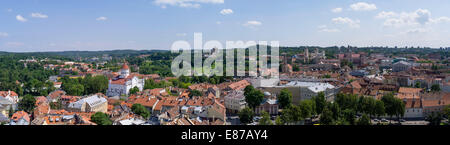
(94, 103)
(401, 66)
(10, 95)
(235, 101)
(435, 102)
(20, 118)
(269, 105)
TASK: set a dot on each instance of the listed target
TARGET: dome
(125, 66)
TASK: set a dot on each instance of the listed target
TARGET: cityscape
(112, 63)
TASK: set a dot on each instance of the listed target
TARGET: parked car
(384, 120)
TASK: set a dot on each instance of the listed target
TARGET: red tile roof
(409, 90)
(56, 94)
(239, 85)
(125, 66)
(16, 116)
(6, 93)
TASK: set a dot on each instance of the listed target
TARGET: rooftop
(313, 86)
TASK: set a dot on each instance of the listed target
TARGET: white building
(401, 66)
(122, 84)
(235, 101)
(10, 95)
(311, 89)
(94, 103)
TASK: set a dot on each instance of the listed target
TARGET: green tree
(434, 118)
(279, 121)
(320, 102)
(435, 88)
(253, 97)
(347, 101)
(307, 108)
(265, 120)
(349, 116)
(334, 107)
(364, 120)
(447, 111)
(140, 110)
(193, 93)
(56, 105)
(101, 119)
(97, 84)
(285, 98)
(27, 103)
(10, 111)
(134, 90)
(379, 108)
(393, 106)
(246, 115)
(417, 85)
(295, 68)
(399, 108)
(326, 118)
(292, 114)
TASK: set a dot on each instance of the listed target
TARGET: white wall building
(122, 84)
(235, 101)
(401, 66)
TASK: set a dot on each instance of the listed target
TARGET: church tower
(125, 71)
(306, 55)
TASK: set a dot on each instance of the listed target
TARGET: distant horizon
(105, 50)
(86, 25)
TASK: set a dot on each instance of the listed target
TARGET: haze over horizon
(84, 25)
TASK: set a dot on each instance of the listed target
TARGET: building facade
(121, 85)
(235, 101)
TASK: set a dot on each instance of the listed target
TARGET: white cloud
(186, 3)
(440, 19)
(422, 16)
(218, 22)
(324, 28)
(347, 21)
(418, 17)
(181, 34)
(101, 19)
(252, 23)
(362, 6)
(226, 11)
(39, 15)
(417, 30)
(385, 15)
(20, 18)
(13, 44)
(336, 10)
(189, 5)
(4, 34)
(9, 10)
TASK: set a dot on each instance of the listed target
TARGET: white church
(121, 84)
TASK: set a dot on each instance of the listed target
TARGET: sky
(91, 25)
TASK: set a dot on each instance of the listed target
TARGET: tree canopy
(246, 115)
(285, 98)
(253, 97)
(101, 118)
(265, 120)
(27, 103)
(140, 110)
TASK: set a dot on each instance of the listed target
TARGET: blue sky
(55, 25)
